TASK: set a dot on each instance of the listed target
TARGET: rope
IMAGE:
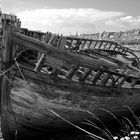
(1, 74)
(8, 79)
(4, 74)
(20, 53)
(16, 63)
(20, 70)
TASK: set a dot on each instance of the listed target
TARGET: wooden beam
(115, 80)
(62, 43)
(85, 74)
(83, 44)
(97, 76)
(101, 43)
(105, 45)
(7, 57)
(122, 81)
(110, 46)
(89, 45)
(40, 61)
(54, 72)
(95, 44)
(105, 79)
(68, 58)
(72, 72)
(1, 46)
(54, 62)
(134, 82)
(38, 65)
(115, 46)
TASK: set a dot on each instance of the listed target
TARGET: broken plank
(85, 74)
(68, 57)
(72, 72)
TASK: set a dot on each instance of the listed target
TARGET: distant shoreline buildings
(129, 37)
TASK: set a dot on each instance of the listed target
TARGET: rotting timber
(46, 77)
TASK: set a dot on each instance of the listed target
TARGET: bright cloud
(66, 20)
(126, 22)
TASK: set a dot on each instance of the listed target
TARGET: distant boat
(47, 82)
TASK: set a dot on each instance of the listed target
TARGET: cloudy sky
(71, 16)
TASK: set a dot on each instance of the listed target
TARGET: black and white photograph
(69, 69)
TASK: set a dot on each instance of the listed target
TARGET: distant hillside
(129, 37)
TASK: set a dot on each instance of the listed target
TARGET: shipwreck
(48, 80)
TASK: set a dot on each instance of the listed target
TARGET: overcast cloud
(82, 16)
(67, 20)
(126, 22)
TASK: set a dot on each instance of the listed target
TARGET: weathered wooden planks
(67, 57)
(7, 25)
(32, 99)
(59, 58)
(6, 58)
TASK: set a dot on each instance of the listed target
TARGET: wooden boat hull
(35, 104)
(32, 101)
